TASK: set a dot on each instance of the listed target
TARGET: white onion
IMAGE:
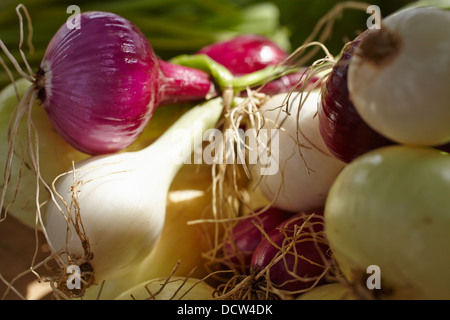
(302, 180)
(399, 77)
(390, 208)
(122, 198)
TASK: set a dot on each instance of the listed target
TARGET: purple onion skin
(310, 249)
(245, 53)
(246, 236)
(344, 132)
(100, 84)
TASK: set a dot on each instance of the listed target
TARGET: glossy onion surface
(98, 83)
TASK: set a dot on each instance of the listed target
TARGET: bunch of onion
(377, 91)
(99, 86)
(112, 64)
(291, 259)
(117, 203)
(381, 114)
(80, 245)
(259, 111)
(233, 63)
(390, 208)
(56, 154)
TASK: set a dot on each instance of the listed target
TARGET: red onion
(245, 236)
(245, 53)
(249, 53)
(100, 84)
(344, 132)
(301, 236)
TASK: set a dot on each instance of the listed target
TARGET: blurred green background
(183, 26)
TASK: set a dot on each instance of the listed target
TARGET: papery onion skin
(245, 53)
(245, 236)
(345, 134)
(390, 208)
(398, 77)
(310, 248)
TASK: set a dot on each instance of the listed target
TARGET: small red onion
(100, 84)
(344, 132)
(245, 53)
(306, 253)
(249, 53)
(245, 236)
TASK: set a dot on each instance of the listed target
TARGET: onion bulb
(101, 83)
(110, 209)
(294, 254)
(179, 250)
(390, 208)
(398, 79)
(245, 53)
(291, 259)
(302, 169)
(345, 134)
(245, 236)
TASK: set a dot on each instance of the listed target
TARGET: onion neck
(184, 84)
